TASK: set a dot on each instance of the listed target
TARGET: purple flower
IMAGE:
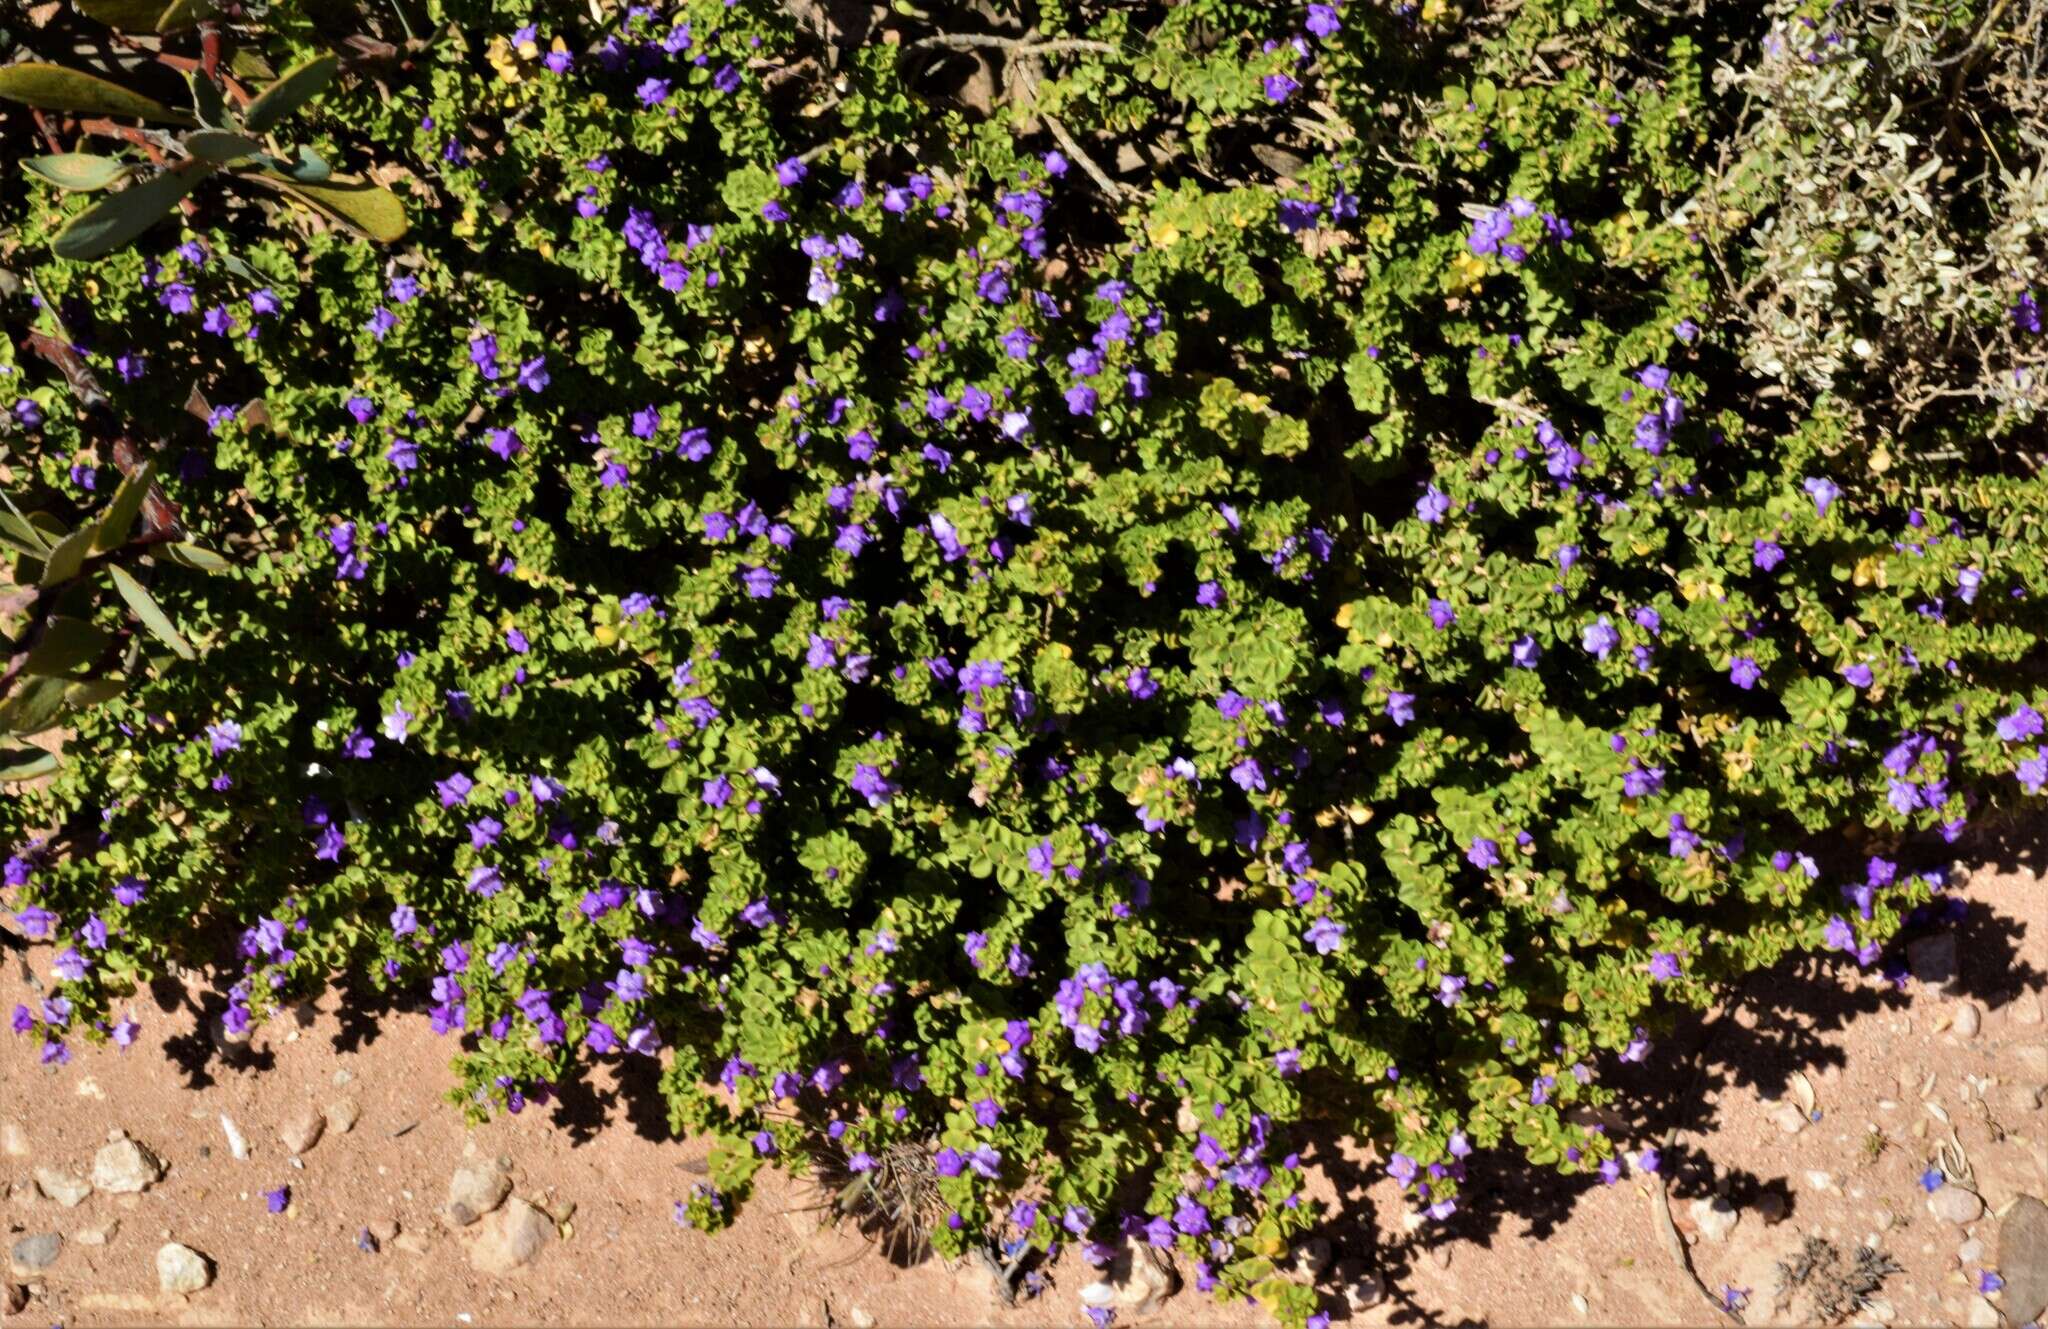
(275, 1201)
(1433, 506)
(1743, 672)
(1483, 854)
(1665, 966)
(1279, 87)
(1526, 653)
(1766, 555)
(1824, 493)
(1325, 934)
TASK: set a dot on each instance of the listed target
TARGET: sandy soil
(1885, 1063)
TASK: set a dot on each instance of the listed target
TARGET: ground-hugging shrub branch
(1032, 636)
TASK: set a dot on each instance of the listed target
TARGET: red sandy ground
(1522, 1252)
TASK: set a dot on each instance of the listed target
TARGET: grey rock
(342, 1115)
(1933, 960)
(1714, 1217)
(34, 1253)
(1955, 1204)
(2023, 1259)
(66, 1188)
(125, 1167)
(475, 1190)
(302, 1130)
(1137, 1283)
(510, 1238)
(180, 1269)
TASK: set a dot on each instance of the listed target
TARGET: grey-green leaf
(119, 219)
(371, 209)
(119, 520)
(67, 644)
(24, 763)
(221, 145)
(55, 88)
(68, 557)
(293, 89)
(309, 169)
(207, 102)
(149, 611)
(197, 557)
(77, 170)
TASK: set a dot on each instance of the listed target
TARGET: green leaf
(67, 643)
(23, 535)
(150, 612)
(55, 88)
(24, 763)
(126, 15)
(78, 170)
(293, 89)
(118, 220)
(34, 706)
(119, 520)
(183, 14)
(371, 209)
(197, 557)
(93, 691)
(68, 557)
(221, 145)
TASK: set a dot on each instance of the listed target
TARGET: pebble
(302, 1130)
(1982, 1314)
(1970, 1252)
(238, 1144)
(17, 1298)
(1955, 1204)
(1968, 1020)
(342, 1115)
(125, 1167)
(2026, 1008)
(1581, 1305)
(1137, 1282)
(510, 1238)
(1771, 1207)
(341, 1078)
(180, 1269)
(384, 1229)
(97, 1236)
(1312, 1257)
(1714, 1217)
(2023, 1259)
(475, 1190)
(1789, 1118)
(1363, 1289)
(13, 1139)
(1820, 1181)
(34, 1253)
(859, 1318)
(66, 1188)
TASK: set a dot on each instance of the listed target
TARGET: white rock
(1982, 1315)
(1970, 1252)
(510, 1238)
(125, 1167)
(181, 1269)
(1581, 1305)
(1789, 1119)
(342, 1115)
(302, 1130)
(859, 1318)
(1819, 1180)
(13, 1139)
(475, 1190)
(1714, 1217)
(1955, 1204)
(1137, 1282)
(1312, 1257)
(1967, 1021)
(97, 1236)
(66, 1188)
(1365, 1291)
(238, 1144)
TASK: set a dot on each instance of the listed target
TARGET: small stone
(1440, 1255)
(384, 1229)
(1714, 1217)
(1933, 960)
(342, 1115)
(1137, 1282)
(2026, 1008)
(1581, 1305)
(410, 1244)
(66, 1188)
(1363, 1289)
(2023, 1259)
(302, 1130)
(232, 1047)
(1970, 1252)
(2024, 1097)
(1771, 1207)
(1789, 1119)
(1967, 1020)
(341, 1078)
(13, 1139)
(475, 1190)
(2030, 1062)
(97, 1236)
(1955, 1204)
(125, 1167)
(238, 1144)
(34, 1253)
(1982, 1314)
(17, 1298)
(1312, 1257)
(510, 1238)
(859, 1318)
(1819, 1180)
(1884, 1218)
(180, 1269)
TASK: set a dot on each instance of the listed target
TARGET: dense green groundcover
(1074, 585)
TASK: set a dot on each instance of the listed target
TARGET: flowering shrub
(1068, 599)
